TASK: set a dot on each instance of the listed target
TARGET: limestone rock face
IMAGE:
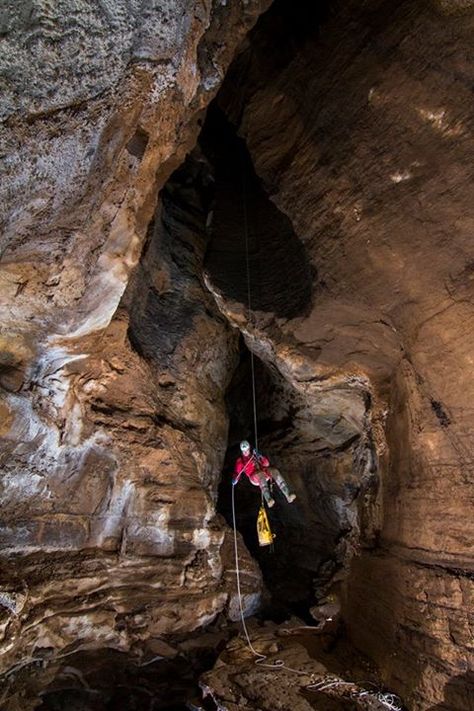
(368, 152)
(123, 299)
(111, 453)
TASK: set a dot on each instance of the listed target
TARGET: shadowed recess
(243, 216)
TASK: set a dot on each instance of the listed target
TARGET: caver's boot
(266, 492)
(283, 486)
(290, 495)
(268, 497)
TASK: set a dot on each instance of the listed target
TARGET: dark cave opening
(253, 251)
(316, 534)
(108, 680)
(280, 280)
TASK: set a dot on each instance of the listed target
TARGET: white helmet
(244, 446)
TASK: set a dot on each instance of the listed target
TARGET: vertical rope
(249, 300)
(239, 592)
(259, 657)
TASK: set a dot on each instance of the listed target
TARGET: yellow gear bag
(265, 535)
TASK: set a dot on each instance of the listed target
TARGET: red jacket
(249, 465)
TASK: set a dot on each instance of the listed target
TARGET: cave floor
(298, 668)
(301, 668)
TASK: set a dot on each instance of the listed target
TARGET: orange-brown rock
(122, 309)
(368, 151)
(109, 535)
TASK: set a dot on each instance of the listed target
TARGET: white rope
(260, 658)
(237, 572)
(390, 701)
(249, 301)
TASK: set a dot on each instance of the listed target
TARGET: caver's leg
(282, 485)
(263, 484)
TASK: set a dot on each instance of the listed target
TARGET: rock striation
(109, 534)
(124, 308)
(368, 153)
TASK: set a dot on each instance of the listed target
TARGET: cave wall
(108, 530)
(368, 151)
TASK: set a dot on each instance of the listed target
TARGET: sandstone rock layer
(368, 151)
(123, 306)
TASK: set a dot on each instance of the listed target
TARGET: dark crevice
(138, 143)
(440, 413)
(114, 681)
(247, 225)
(163, 296)
(313, 535)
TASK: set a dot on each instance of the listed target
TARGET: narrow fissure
(314, 534)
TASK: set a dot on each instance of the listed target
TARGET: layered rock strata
(109, 534)
(368, 152)
(113, 418)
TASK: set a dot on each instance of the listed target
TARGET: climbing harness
(264, 532)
